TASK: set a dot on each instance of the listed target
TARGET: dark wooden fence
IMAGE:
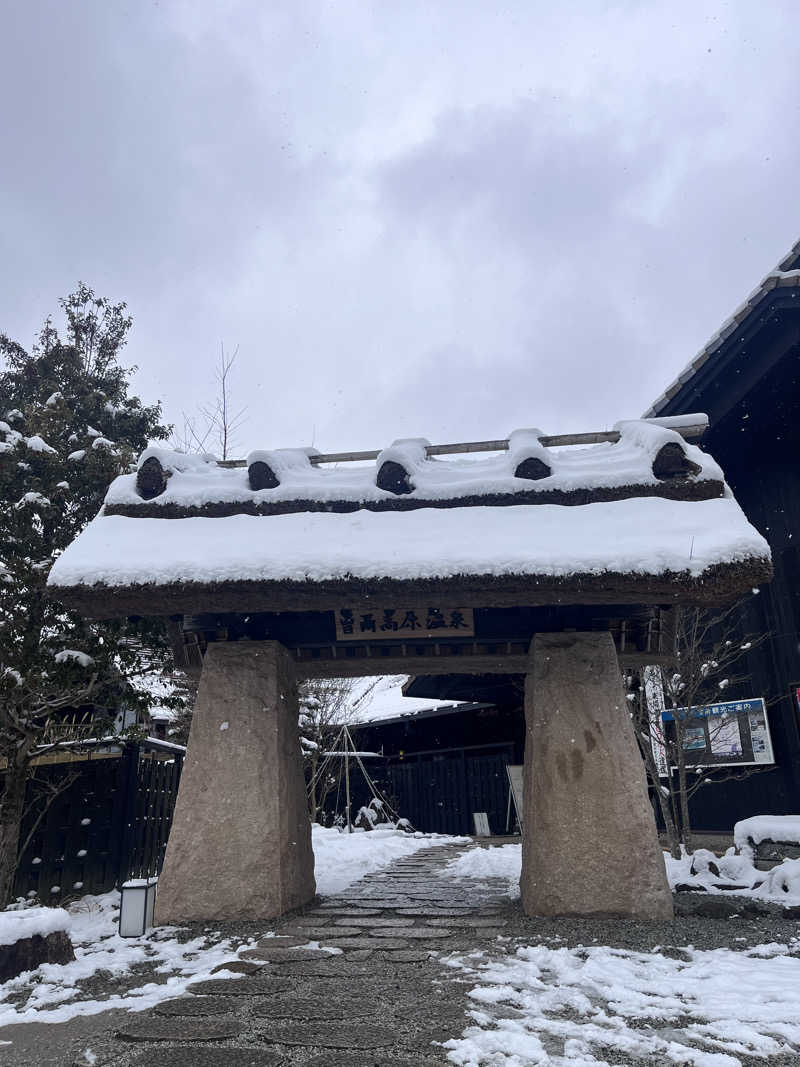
(439, 791)
(110, 823)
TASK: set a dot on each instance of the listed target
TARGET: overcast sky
(444, 219)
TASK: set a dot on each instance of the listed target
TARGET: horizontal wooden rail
(689, 432)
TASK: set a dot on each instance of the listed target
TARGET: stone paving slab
(344, 913)
(315, 1007)
(372, 922)
(424, 913)
(473, 922)
(280, 955)
(425, 933)
(238, 966)
(144, 1028)
(194, 1056)
(384, 903)
(262, 986)
(407, 955)
(325, 1035)
(283, 941)
(311, 918)
(392, 941)
(340, 966)
(319, 933)
(197, 1006)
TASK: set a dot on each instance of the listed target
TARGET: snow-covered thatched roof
(640, 517)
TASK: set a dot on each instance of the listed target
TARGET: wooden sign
(396, 623)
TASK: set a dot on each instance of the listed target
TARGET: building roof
(642, 517)
(380, 700)
(785, 278)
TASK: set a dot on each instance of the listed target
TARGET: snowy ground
(592, 1005)
(58, 993)
(52, 993)
(558, 994)
(600, 1006)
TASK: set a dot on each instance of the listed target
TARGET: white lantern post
(138, 899)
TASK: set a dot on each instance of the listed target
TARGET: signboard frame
(735, 711)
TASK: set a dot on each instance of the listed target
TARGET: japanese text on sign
(434, 620)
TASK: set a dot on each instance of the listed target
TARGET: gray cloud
(427, 219)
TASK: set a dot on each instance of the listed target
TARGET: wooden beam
(689, 433)
(339, 667)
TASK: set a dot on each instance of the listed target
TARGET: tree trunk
(312, 798)
(673, 837)
(683, 804)
(670, 828)
(12, 805)
(664, 805)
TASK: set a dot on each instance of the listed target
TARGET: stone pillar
(240, 844)
(589, 845)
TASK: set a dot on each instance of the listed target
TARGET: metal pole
(347, 777)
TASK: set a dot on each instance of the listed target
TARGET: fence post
(130, 785)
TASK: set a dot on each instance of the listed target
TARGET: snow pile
(71, 655)
(196, 480)
(50, 993)
(783, 882)
(497, 861)
(30, 922)
(705, 871)
(751, 832)
(635, 536)
(176, 462)
(341, 858)
(589, 1006)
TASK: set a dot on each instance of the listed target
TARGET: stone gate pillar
(589, 838)
(240, 843)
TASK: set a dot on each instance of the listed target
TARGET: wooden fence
(110, 823)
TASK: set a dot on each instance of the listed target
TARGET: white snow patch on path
(495, 861)
(578, 1006)
(342, 858)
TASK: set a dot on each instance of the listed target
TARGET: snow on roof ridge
(777, 276)
(524, 463)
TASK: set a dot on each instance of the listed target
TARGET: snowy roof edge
(778, 278)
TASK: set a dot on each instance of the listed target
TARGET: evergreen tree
(68, 426)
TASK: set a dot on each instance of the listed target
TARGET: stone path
(382, 1000)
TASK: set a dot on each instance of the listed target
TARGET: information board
(728, 734)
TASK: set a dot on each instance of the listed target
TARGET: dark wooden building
(747, 379)
(441, 760)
